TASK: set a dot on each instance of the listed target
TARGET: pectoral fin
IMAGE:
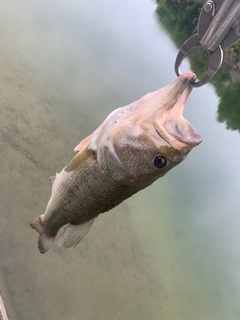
(79, 159)
(73, 234)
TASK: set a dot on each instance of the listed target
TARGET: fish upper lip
(194, 141)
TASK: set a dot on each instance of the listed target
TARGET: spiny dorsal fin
(79, 159)
(74, 233)
(82, 144)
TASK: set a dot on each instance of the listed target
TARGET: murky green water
(169, 252)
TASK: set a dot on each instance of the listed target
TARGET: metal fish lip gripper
(218, 28)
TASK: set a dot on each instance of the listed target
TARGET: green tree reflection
(179, 18)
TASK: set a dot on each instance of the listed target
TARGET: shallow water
(169, 252)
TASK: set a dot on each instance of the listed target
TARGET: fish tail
(44, 241)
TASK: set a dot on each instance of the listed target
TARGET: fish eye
(159, 161)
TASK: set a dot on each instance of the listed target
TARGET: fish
(133, 147)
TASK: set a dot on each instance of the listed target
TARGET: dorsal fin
(79, 159)
(82, 144)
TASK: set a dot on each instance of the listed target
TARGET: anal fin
(74, 233)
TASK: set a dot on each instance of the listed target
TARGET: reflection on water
(169, 252)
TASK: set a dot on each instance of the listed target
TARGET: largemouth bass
(133, 147)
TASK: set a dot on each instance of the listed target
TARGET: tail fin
(44, 241)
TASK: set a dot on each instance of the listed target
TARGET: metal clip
(218, 28)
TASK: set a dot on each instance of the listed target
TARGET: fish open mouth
(172, 126)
